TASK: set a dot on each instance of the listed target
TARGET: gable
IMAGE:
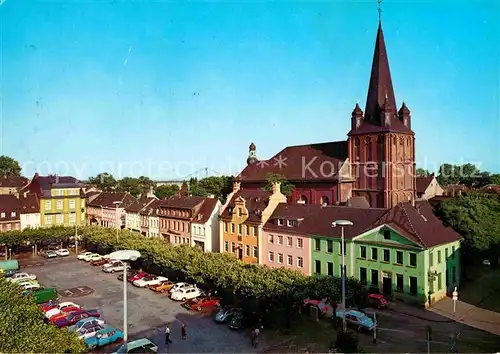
(387, 235)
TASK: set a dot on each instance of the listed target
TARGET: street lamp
(116, 203)
(343, 223)
(124, 256)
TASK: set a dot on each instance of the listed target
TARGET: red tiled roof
(13, 181)
(91, 194)
(423, 182)
(358, 202)
(304, 214)
(323, 159)
(255, 201)
(151, 208)
(107, 199)
(29, 204)
(8, 204)
(139, 205)
(419, 224)
(188, 202)
(206, 210)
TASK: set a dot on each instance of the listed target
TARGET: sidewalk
(417, 312)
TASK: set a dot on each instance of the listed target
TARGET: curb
(421, 317)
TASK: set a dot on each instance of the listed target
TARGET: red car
(201, 303)
(377, 301)
(64, 313)
(74, 317)
(138, 276)
(52, 304)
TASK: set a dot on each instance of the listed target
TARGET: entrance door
(240, 253)
(387, 284)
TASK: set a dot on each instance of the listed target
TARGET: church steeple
(380, 90)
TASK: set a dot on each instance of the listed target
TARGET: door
(240, 253)
(387, 284)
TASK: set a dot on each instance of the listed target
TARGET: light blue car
(356, 319)
(104, 337)
(142, 345)
(86, 323)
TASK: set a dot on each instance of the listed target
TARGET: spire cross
(379, 2)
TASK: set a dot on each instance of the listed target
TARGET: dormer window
(13, 214)
(2, 215)
(292, 223)
(280, 222)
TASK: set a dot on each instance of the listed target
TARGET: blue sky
(165, 88)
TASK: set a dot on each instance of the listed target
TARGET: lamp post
(342, 223)
(76, 237)
(116, 203)
(124, 256)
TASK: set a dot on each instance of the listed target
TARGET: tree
(166, 190)
(104, 181)
(131, 185)
(23, 330)
(219, 186)
(196, 188)
(467, 174)
(286, 187)
(421, 172)
(145, 185)
(495, 179)
(9, 166)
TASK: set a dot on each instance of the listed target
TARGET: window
(255, 252)
(413, 285)
(362, 252)
(300, 243)
(300, 262)
(440, 281)
(255, 231)
(317, 244)
(48, 205)
(439, 256)
(280, 222)
(374, 254)
(387, 255)
(431, 259)
(340, 247)
(289, 260)
(48, 219)
(247, 251)
(59, 204)
(399, 282)
(362, 275)
(317, 267)
(289, 241)
(239, 212)
(280, 258)
(232, 228)
(271, 238)
(387, 234)
(240, 229)
(399, 257)
(413, 259)
(2, 215)
(226, 245)
(330, 269)
(233, 247)
(329, 246)
(374, 277)
(72, 204)
(280, 240)
(59, 219)
(271, 256)
(225, 226)
(72, 218)
(452, 252)
(446, 254)
(247, 229)
(341, 270)
(13, 214)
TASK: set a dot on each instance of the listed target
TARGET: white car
(93, 257)
(88, 331)
(179, 286)
(149, 280)
(62, 306)
(63, 252)
(18, 277)
(30, 285)
(84, 255)
(185, 294)
(116, 266)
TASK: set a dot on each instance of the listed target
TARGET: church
(375, 165)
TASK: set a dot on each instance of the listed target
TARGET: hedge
(22, 329)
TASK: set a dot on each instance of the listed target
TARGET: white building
(133, 216)
(30, 212)
(205, 226)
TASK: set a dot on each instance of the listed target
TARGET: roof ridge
(411, 225)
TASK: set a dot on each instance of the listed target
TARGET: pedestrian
(183, 331)
(167, 335)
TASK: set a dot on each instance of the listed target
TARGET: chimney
(276, 188)
(236, 186)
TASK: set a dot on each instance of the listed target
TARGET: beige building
(428, 187)
(12, 184)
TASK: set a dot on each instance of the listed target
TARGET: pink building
(285, 238)
(108, 209)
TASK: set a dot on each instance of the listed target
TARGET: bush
(22, 329)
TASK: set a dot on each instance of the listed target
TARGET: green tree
(421, 172)
(219, 186)
(166, 190)
(104, 181)
(22, 328)
(145, 184)
(131, 185)
(9, 166)
(467, 174)
(495, 179)
(286, 187)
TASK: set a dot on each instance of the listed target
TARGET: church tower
(381, 142)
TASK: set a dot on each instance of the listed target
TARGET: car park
(88, 331)
(185, 293)
(201, 303)
(226, 313)
(104, 337)
(86, 322)
(29, 285)
(114, 267)
(8, 273)
(63, 252)
(242, 320)
(142, 345)
(98, 262)
(93, 257)
(149, 280)
(377, 301)
(355, 319)
(163, 287)
(179, 286)
(42, 295)
(129, 274)
(18, 277)
(82, 256)
(137, 276)
(74, 317)
(49, 254)
(62, 309)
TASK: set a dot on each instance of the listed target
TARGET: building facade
(12, 184)
(62, 201)
(108, 209)
(428, 187)
(9, 213)
(376, 162)
(205, 226)
(30, 216)
(133, 216)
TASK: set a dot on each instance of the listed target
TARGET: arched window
(302, 200)
(324, 200)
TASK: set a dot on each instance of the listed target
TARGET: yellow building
(62, 201)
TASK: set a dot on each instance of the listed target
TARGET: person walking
(167, 335)
(183, 331)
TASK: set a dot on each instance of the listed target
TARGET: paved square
(148, 312)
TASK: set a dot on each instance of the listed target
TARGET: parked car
(226, 313)
(86, 323)
(377, 301)
(8, 273)
(355, 319)
(21, 277)
(82, 256)
(48, 254)
(163, 287)
(88, 332)
(114, 267)
(63, 252)
(129, 274)
(98, 262)
(241, 320)
(62, 309)
(149, 280)
(42, 295)
(74, 317)
(29, 285)
(51, 304)
(179, 286)
(185, 293)
(93, 257)
(142, 345)
(137, 276)
(104, 337)
(201, 303)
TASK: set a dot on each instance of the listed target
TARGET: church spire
(380, 90)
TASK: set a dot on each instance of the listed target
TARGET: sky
(168, 88)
